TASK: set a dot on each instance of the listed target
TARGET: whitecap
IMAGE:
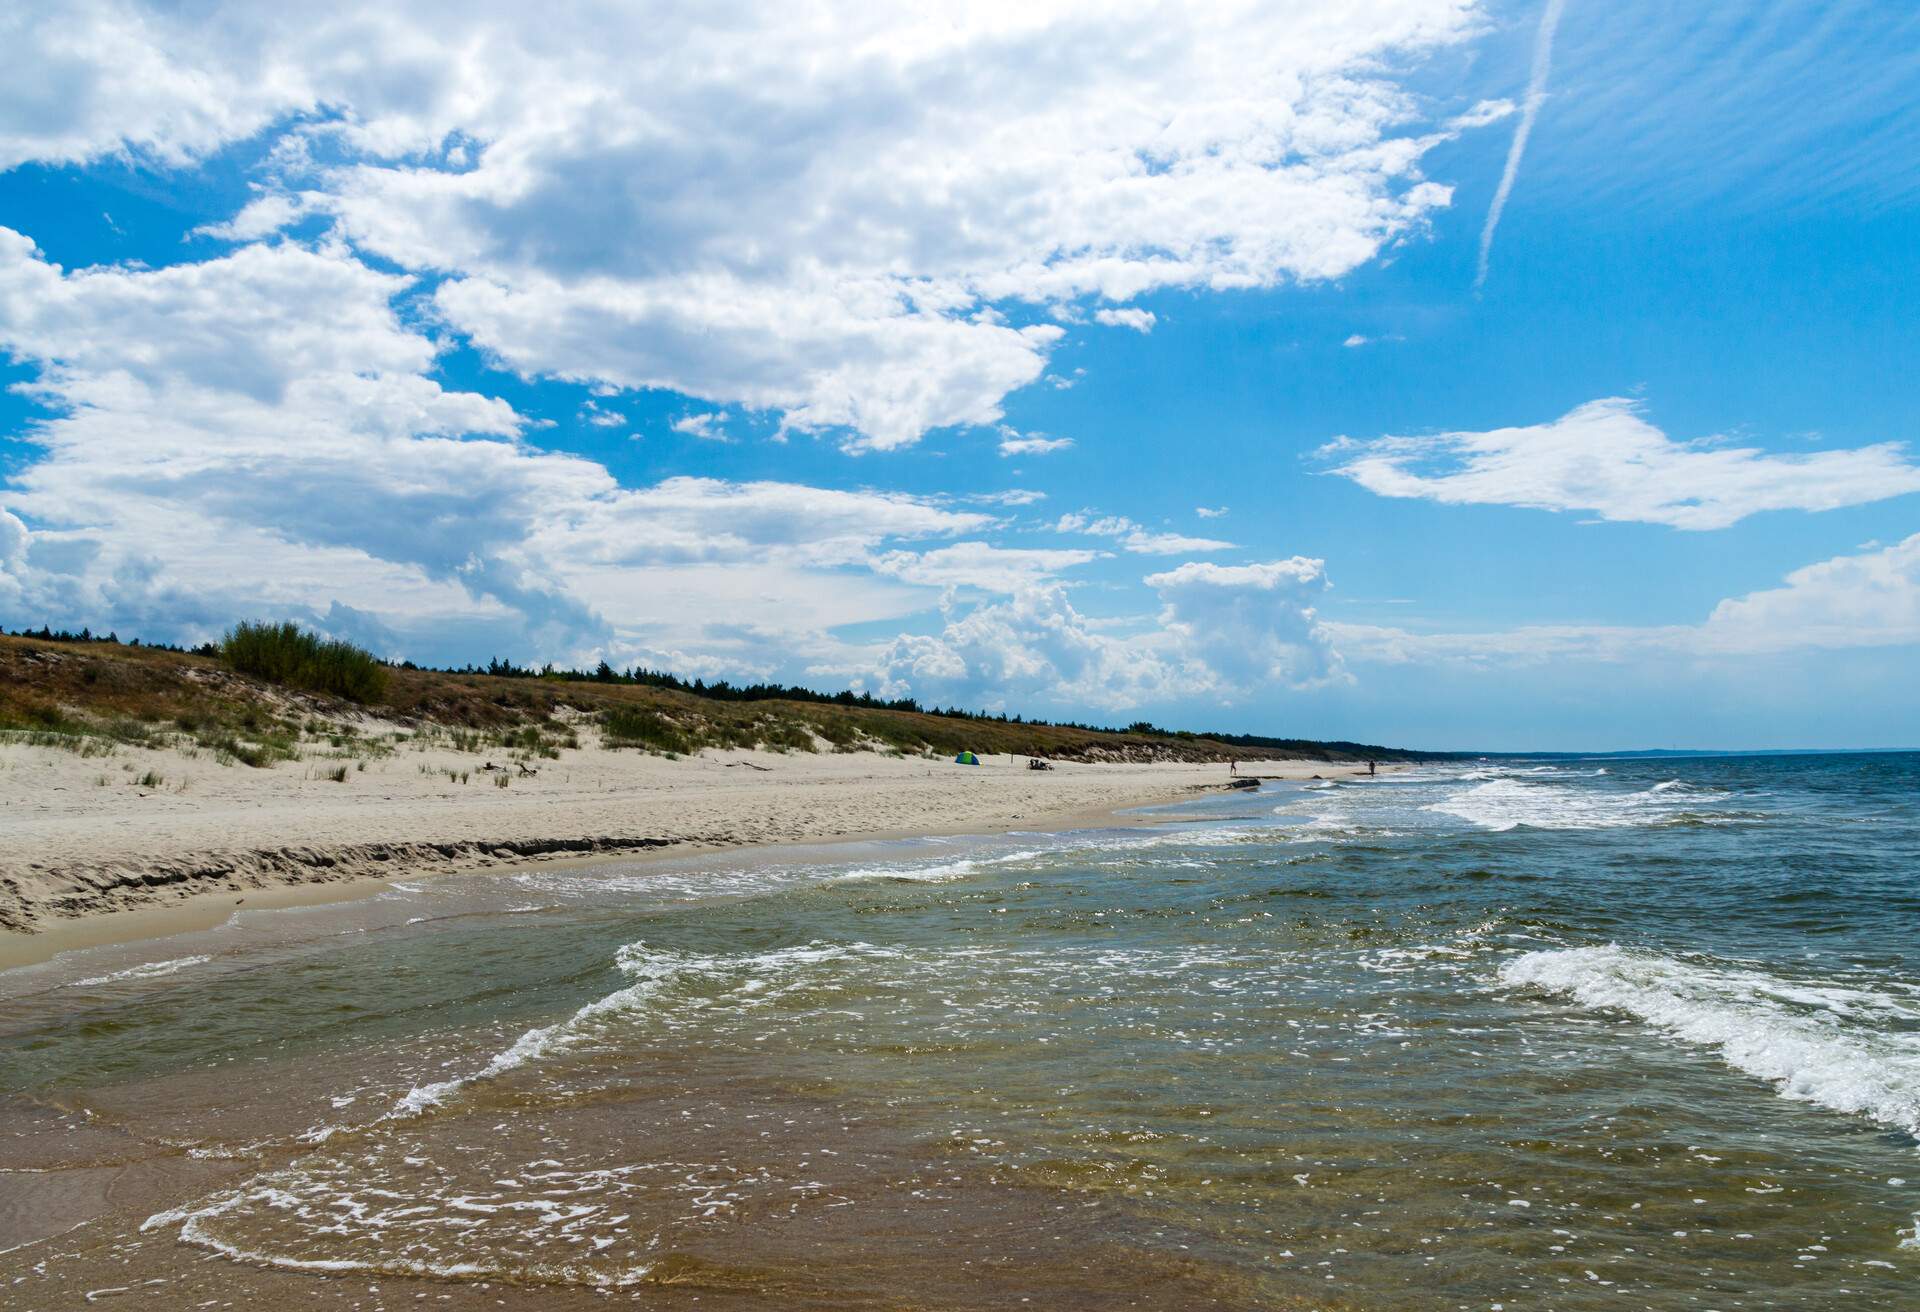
(1818, 1042)
(1503, 804)
(935, 873)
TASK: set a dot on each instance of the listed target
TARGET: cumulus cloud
(1869, 599)
(855, 216)
(1135, 537)
(1222, 632)
(858, 358)
(1250, 625)
(258, 434)
(1210, 512)
(708, 426)
(595, 416)
(1141, 321)
(1606, 459)
(1034, 647)
(260, 218)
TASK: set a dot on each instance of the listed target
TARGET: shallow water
(1591, 1035)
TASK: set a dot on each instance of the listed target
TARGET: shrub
(784, 736)
(287, 654)
(632, 727)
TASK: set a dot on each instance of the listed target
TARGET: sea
(1586, 1034)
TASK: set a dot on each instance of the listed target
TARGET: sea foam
(652, 971)
(150, 970)
(1847, 1049)
(1508, 802)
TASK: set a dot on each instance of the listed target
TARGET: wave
(151, 970)
(1502, 804)
(1480, 772)
(938, 873)
(651, 971)
(1819, 1042)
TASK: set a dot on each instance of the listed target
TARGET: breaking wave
(1848, 1049)
(1509, 803)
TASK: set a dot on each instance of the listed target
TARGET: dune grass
(96, 699)
(634, 726)
(289, 655)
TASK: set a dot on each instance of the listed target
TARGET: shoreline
(130, 876)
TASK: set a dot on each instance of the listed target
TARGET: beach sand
(143, 843)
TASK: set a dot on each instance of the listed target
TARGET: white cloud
(105, 78)
(1210, 512)
(800, 209)
(1604, 457)
(257, 434)
(1866, 600)
(1482, 115)
(1141, 321)
(1031, 444)
(705, 426)
(980, 565)
(1019, 496)
(1356, 339)
(1033, 647)
(1223, 632)
(1250, 625)
(259, 218)
(1135, 537)
(1871, 599)
(599, 418)
(839, 356)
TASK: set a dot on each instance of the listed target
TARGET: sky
(1428, 372)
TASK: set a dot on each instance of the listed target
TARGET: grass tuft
(634, 727)
(287, 654)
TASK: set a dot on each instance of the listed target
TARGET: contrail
(1529, 110)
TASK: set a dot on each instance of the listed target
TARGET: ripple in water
(1571, 1035)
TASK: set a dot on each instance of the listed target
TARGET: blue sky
(1108, 362)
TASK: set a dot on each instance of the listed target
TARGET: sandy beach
(143, 842)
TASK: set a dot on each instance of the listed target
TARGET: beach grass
(287, 654)
(95, 698)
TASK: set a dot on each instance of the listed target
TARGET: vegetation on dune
(287, 654)
(633, 726)
(273, 693)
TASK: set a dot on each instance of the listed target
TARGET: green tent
(966, 758)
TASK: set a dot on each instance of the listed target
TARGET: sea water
(1591, 1034)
